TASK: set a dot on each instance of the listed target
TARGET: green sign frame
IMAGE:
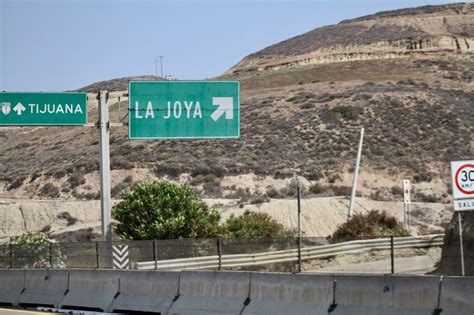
(184, 110)
(43, 109)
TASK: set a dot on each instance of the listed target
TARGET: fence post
(219, 253)
(11, 255)
(392, 254)
(154, 255)
(97, 254)
(50, 255)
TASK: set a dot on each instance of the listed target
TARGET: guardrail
(291, 255)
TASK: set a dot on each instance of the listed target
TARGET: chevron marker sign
(120, 254)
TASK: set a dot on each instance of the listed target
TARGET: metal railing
(291, 255)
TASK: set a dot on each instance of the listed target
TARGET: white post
(105, 201)
(460, 243)
(405, 221)
(356, 172)
(408, 217)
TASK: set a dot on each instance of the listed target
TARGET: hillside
(301, 119)
(416, 32)
(119, 84)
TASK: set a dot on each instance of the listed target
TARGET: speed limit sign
(462, 173)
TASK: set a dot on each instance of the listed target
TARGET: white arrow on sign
(19, 108)
(225, 105)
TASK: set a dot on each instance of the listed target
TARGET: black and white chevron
(120, 253)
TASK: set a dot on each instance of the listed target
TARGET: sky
(60, 45)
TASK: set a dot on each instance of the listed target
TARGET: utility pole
(161, 66)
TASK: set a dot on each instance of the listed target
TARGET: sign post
(406, 202)
(43, 109)
(184, 109)
(462, 173)
(105, 200)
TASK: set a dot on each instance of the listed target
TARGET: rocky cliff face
(417, 32)
(450, 263)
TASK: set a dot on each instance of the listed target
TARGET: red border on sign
(456, 179)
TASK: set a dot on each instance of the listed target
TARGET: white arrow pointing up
(225, 105)
(19, 108)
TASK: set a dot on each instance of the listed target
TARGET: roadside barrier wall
(148, 291)
(12, 283)
(91, 289)
(457, 296)
(211, 292)
(290, 294)
(362, 295)
(44, 287)
(207, 292)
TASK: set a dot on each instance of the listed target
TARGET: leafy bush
(76, 179)
(372, 224)
(30, 239)
(16, 183)
(36, 250)
(49, 190)
(317, 189)
(164, 210)
(345, 112)
(252, 224)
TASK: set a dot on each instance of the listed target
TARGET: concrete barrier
(211, 292)
(44, 287)
(91, 289)
(146, 291)
(365, 295)
(416, 292)
(237, 292)
(12, 283)
(290, 294)
(457, 296)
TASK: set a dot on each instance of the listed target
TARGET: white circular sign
(463, 179)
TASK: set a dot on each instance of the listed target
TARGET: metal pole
(392, 254)
(97, 254)
(408, 216)
(105, 202)
(460, 243)
(219, 253)
(11, 255)
(298, 193)
(154, 255)
(356, 172)
(161, 66)
(156, 67)
(50, 255)
(405, 220)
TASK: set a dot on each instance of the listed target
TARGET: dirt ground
(80, 220)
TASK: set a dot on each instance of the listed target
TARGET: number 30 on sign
(462, 173)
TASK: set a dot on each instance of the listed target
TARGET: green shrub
(164, 210)
(372, 224)
(344, 112)
(317, 189)
(252, 224)
(36, 250)
(16, 183)
(76, 179)
(49, 190)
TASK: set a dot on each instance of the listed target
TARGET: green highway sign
(43, 109)
(184, 109)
